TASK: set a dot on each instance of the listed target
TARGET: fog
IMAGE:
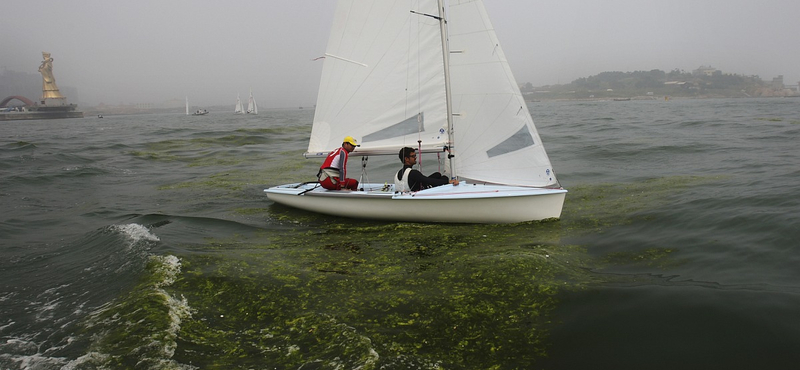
(148, 51)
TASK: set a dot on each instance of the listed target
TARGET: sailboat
(252, 108)
(199, 112)
(398, 74)
(238, 109)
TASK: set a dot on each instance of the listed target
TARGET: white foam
(25, 354)
(38, 361)
(89, 358)
(46, 311)
(170, 266)
(178, 308)
(55, 290)
(167, 268)
(136, 232)
(7, 296)
(18, 345)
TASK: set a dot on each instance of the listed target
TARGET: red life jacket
(337, 159)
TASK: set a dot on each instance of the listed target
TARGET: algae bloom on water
(384, 296)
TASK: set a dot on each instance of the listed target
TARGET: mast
(447, 93)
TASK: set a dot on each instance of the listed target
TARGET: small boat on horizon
(199, 112)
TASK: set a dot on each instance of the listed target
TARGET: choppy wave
(19, 145)
(139, 329)
(88, 312)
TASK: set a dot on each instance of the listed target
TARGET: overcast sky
(149, 51)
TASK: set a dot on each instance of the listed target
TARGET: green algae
(328, 294)
(596, 207)
(21, 144)
(211, 152)
(448, 302)
(153, 155)
(197, 160)
(207, 142)
(251, 211)
(139, 329)
(230, 181)
(202, 152)
(233, 181)
(218, 161)
(651, 257)
(370, 295)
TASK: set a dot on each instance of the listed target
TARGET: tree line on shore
(676, 83)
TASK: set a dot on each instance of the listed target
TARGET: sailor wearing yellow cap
(332, 174)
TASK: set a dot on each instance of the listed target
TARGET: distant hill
(704, 82)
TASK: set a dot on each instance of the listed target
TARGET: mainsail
(238, 109)
(383, 82)
(382, 79)
(252, 108)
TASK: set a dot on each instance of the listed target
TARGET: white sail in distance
(252, 108)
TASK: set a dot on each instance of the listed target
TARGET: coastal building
(707, 71)
(794, 90)
(777, 83)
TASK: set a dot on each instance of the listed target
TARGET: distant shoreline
(659, 98)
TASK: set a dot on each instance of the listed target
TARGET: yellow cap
(349, 139)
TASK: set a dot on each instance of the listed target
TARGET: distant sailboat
(239, 109)
(252, 108)
(199, 112)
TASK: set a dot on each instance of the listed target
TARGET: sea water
(145, 241)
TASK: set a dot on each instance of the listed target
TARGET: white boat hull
(465, 203)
